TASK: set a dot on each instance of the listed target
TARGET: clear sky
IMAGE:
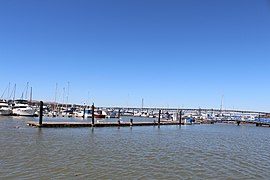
(171, 53)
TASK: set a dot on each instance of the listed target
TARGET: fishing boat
(100, 114)
(22, 108)
(5, 109)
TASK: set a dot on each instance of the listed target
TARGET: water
(220, 151)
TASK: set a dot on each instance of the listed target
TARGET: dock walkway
(98, 124)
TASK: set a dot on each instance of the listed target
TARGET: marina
(157, 116)
(25, 106)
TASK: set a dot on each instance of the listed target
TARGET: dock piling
(93, 115)
(180, 118)
(119, 113)
(159, 112)
(40, 113)
(131, 122)
(83, 112)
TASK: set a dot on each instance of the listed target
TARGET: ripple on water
(169, 152)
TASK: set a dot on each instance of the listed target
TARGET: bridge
(149, 109)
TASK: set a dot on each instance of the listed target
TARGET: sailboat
(4, 106)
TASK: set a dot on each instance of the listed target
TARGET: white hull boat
(5, 109)
(22, 108)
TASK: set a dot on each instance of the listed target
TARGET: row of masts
(11, 93)
(64, 96)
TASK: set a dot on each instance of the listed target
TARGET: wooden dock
(265, 124)
(98, 124)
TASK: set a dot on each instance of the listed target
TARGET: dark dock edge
(262, 124)
(100, 124)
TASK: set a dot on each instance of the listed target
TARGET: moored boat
(84, 113)
(22, 108)
(87, 113)
(5, 109)
(100, 114)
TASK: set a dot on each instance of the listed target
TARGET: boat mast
(14, 92)
(142, 104)
(56, 87)
(63, 97)
(31, 94)
(3, 93)
(67, 95)
(88, 103)
(8, 91)
(26, 93)
(221, 104)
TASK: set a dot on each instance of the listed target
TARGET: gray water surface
(219, 151)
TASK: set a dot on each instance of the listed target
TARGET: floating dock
(98, 124)
(265, 124)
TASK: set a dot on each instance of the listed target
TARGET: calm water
(219, 151)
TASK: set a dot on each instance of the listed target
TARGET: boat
(144, 114)
(100, 114)
(111, 114)
(87, 113)
(22, 108)
(138, 114)
(5, 109)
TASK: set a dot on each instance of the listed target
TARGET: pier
(98, 124)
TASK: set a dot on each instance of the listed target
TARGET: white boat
(84, 114)
(111, 114)
(5, 109)
(137, 114)
(144, 114)
(22, 108)
(88, 114)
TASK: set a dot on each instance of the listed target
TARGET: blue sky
(173, 53)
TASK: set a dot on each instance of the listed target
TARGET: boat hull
(99, 116)
(23, 112)
(5, 112)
